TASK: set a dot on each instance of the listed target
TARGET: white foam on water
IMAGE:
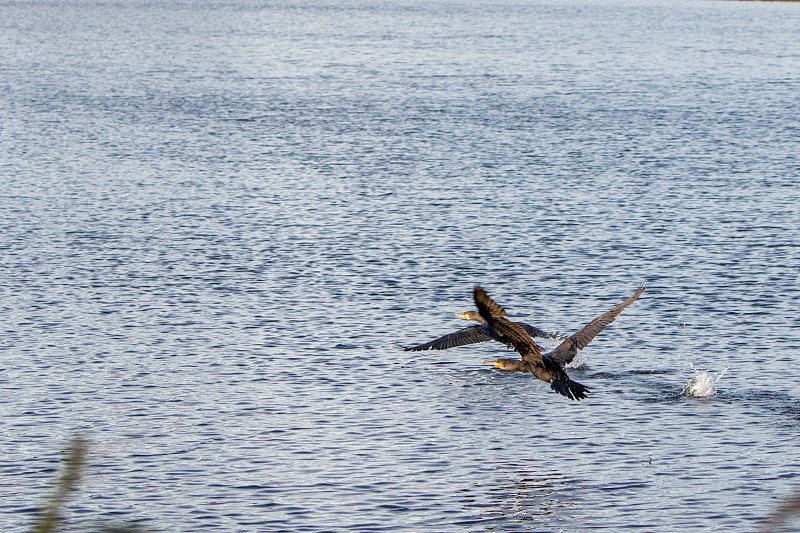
(579, 363)
(703, 384)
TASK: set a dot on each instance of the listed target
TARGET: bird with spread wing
(548, 367)
(479, 333)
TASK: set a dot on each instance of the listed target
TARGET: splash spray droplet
(702, 384)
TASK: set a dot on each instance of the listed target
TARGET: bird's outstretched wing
(534, 332)
(494, 314)
(462, 337)
(579, 339)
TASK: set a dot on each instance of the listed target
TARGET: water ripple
(217, 221)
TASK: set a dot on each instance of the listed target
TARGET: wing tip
(642, 287)
(477, 290)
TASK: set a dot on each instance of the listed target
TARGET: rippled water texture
(216, 219)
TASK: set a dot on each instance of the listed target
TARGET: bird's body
(548, 367)
(532, 359)
(474, 334)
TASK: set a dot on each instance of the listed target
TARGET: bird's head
(511, 365)
(471, 315)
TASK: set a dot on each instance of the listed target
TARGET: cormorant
(472, 334)
(547, 367)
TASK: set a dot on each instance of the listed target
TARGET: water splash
(703, 383)
(579, 363)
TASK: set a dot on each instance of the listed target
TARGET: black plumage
(548, 367)
(474, 334)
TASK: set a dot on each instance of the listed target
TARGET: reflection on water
(529, 491)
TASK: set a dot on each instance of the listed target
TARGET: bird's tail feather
(571, 389)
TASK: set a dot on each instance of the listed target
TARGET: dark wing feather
(494, 314)
(571, 389)
(534, 332)
(562, 358)
(462, 337)
(487, 308)
(579, 340)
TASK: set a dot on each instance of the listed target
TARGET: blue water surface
(218, 218)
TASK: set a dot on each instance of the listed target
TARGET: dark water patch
(652, 372)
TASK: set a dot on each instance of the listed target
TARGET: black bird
(566, 351)
(472, 334)
(547, 367)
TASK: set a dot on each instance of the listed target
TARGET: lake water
(218, 218)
